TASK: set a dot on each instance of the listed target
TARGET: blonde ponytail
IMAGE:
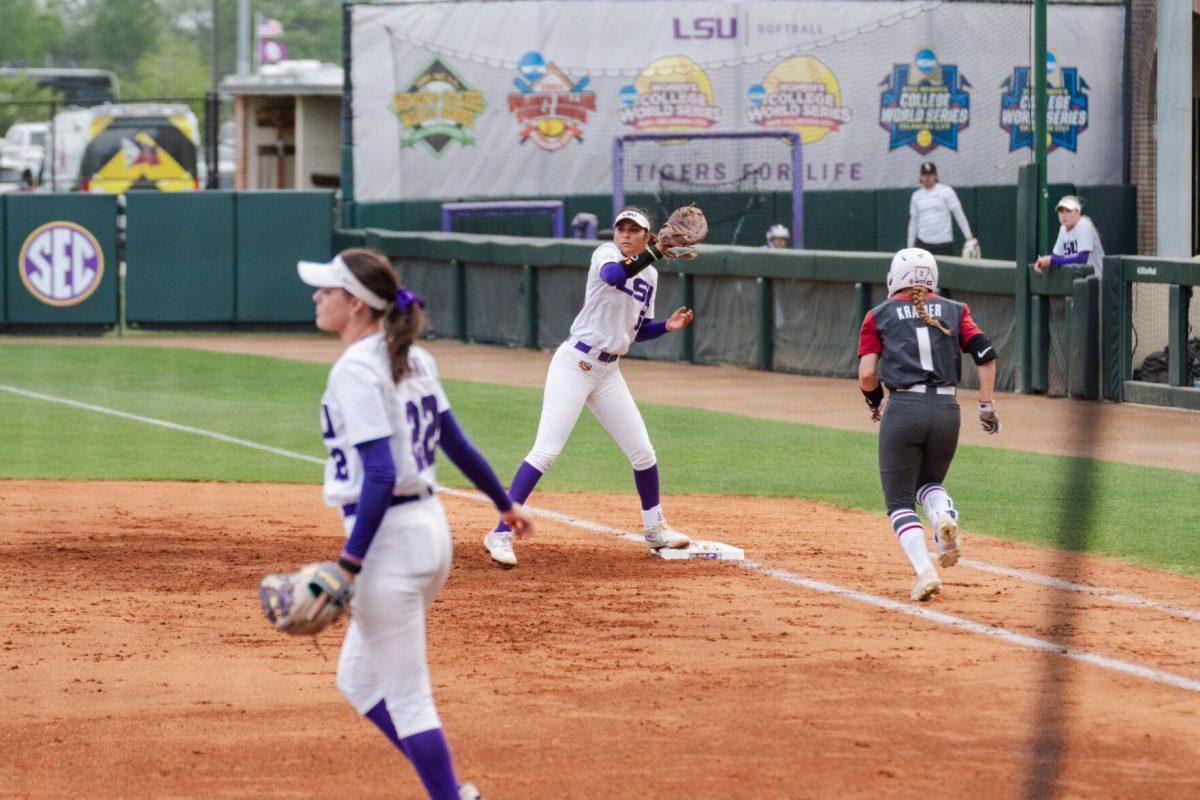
(918, 298)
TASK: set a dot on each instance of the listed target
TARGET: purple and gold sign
(61, 263)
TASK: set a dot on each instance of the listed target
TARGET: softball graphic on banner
(802, 94)
(551, 108)
(672, 93)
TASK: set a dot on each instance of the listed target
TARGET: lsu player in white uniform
(618, 309)
(384, 415)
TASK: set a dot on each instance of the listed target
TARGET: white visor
(336, 275)
(637, 216)
(1069, 203)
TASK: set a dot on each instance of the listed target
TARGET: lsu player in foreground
(618, 309)
(915, 339)
(383, 416)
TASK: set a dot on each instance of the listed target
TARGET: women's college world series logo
(925, 109)
(801, 93)
(61, 263)
(551, 108)
(1066, 107)
(437, 108)
(672, 93)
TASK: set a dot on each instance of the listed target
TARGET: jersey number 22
(424, 422)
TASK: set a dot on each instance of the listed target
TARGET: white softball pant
(383, 655)
(569, 386)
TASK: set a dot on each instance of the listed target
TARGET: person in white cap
(777, 238)
(1078, 240)
(384, 417)
(929, 213)
(618, 309)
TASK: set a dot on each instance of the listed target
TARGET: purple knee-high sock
(522, 486)
(431, 756)
(383, 720)
(646, 481)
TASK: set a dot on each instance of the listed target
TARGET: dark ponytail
(402, 323)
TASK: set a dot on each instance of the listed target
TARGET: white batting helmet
(777, 232)
(912, 266)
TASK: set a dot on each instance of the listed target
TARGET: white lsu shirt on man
(361, 403)
(611, 315)
(1083, 237)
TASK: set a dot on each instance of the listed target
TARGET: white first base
(718, 551)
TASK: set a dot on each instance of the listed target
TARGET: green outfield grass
(1010, 494)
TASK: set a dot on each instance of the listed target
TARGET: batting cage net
(745, 182)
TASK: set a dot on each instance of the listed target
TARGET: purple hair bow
(405, 297)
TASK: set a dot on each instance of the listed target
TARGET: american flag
(271, 29)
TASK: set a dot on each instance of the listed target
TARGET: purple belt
(584, 347)
(351, 509)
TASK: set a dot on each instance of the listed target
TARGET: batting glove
(874, 400)
(988, 419)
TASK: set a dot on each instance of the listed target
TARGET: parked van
(126, 147)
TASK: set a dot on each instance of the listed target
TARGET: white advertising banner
(525, 99)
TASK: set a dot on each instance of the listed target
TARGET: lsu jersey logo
(585, 366)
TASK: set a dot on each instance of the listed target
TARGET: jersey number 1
(424, 422)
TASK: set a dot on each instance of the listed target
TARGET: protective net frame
(790, 137)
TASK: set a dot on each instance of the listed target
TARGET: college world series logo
(672, 93)
(551, 108)
(61, 263)
(1066, 107)
(437, 107)
(801, 93)
(925, 104)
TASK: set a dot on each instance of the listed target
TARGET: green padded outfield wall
(179, 252)
(61, 254)
(275, 230)
(3, 263)
(852, 220)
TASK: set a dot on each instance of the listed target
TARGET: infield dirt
(137, 664)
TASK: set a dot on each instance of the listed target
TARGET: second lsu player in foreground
(915, 338)
(618, 309)
(383, 416)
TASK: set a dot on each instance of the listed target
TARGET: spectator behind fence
(777, 238)
(929, 214)
(1078, 240)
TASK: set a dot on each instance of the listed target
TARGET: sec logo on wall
(61, 263)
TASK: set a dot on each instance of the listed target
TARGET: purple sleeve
(379, 478)
(612, 273)
(1077, 258)
(471, 462)
(650, 330)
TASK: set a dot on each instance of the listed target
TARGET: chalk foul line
(888, 604)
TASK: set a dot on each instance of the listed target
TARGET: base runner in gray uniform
(914, 340)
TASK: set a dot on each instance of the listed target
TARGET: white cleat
(663, 535)
(500, 545)
(927, 585)
(467, 791)
(947, 538)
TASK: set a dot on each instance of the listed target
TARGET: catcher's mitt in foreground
(687, 226)
(287, 599)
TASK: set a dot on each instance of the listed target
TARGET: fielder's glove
(686, 226)
(988, 419)
(971, 249)
(287, 599)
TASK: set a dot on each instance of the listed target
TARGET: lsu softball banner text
(524, 99)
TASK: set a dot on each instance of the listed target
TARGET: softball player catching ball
(383, 416)
(915, 338)
(618, 309)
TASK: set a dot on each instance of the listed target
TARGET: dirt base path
(1124, 432)
(136, 663)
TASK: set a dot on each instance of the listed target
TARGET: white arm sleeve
(956, 209)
